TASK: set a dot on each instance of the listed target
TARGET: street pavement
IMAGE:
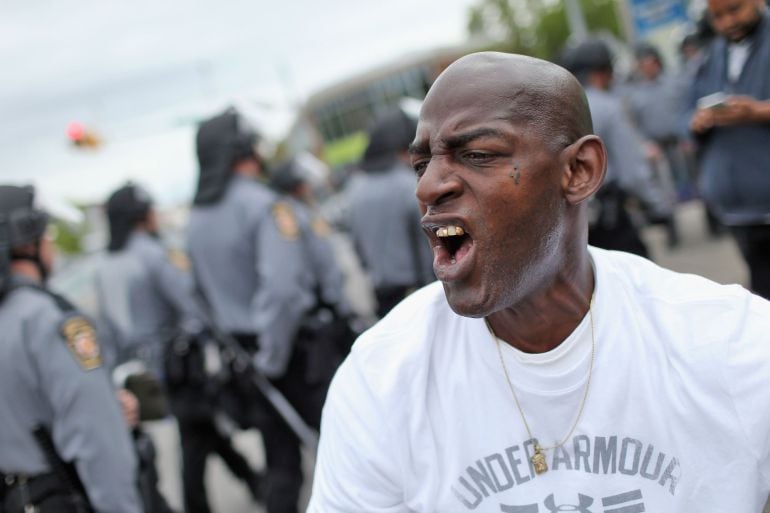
(698, 252)
(716, 258)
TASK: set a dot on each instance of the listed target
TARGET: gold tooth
(449, 231)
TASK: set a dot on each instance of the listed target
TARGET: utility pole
(626, 20)
(576, 20)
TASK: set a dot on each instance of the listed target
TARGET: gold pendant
(538, 460)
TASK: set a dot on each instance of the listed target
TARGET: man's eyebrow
(421, 148)
(456, 141)
(460, 140)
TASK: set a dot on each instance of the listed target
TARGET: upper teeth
(449, 231)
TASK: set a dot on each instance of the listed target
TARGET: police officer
(657, 99)
(383, 218)
(628, 172)
(296, 179)
(148, 296)
(246, 248)
(57, 402)
(143, 296)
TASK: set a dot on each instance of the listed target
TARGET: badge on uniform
(81, 340)
(286, 221)
(321, 227)
(179, 260)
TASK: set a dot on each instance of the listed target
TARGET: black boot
(257, 485)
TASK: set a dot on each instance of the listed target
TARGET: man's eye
(477, 157)
(420, 166)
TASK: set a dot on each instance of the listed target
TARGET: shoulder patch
(286, 220)
(81, 340)
(321, 228)
(179, 259)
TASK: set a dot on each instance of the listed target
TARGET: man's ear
(585, 163)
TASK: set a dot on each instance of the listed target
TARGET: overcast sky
(140, 72)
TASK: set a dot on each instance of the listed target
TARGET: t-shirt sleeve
(356, 469)
(747, 376)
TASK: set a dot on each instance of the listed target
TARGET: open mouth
(455, 241)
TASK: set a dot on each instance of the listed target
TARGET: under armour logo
(627, 502)
(529, 508)
(584, 500)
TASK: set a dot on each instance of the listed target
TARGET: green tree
(67, 237)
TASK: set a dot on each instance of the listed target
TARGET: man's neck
(542, 322)
(26, 269)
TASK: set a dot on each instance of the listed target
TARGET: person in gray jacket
(383, 218)
(330, 327)
(628, 171)
(657, 99)
(64, 446)
(294, 179)
(248, 260)
(730, 119)
(149, 300)
(143, 296)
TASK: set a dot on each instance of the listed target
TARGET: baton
(243, 362)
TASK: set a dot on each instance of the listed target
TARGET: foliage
(537, 27)
(66, 237)
(345, 150)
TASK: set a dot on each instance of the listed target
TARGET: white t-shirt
(737, 55)
(420, 418)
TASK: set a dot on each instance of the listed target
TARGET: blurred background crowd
(99, 95)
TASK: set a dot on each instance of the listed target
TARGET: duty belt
(23, 492)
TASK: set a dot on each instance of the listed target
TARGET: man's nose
(438, 184)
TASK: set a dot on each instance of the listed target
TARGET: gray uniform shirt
(327, 274)
(626, 163)
(384, 223)
(41, 382)
(248, 260)
(143, 298)
(658, 105)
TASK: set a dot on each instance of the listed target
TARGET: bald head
(504, 150)
(524, 90)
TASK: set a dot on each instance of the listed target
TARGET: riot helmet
(303, 168)
(645, 49)
(220, 142)
(649, 62)
(20, 223)
(126, 207)
(389, 135)
(287, 176)
(589, 55)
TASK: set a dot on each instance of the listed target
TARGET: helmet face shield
(26, 226)
(24, 223)
(20, 223)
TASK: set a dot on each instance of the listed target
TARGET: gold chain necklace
(538, 459)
